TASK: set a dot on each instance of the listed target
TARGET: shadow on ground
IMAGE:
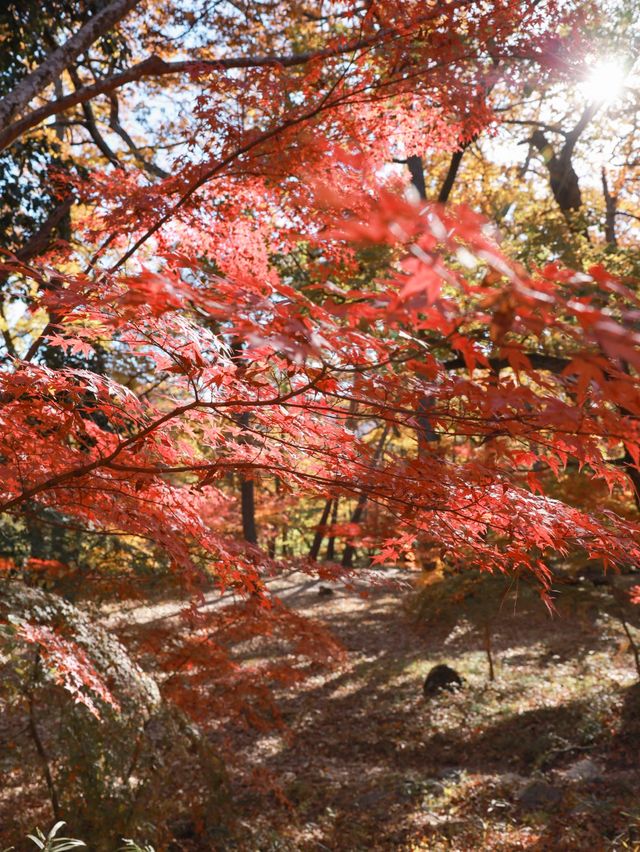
(368, 763)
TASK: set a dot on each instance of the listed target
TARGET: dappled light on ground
(365, 762)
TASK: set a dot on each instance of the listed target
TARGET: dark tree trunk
(247, 498)
(452, 173)
(247, 485)
(320, 529)
(562, 176)
(331, 544)
(249, 528)
(611, 203)
(416, 168)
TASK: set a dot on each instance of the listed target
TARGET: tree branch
(155, 66)
(91, 126)
(114, 124)
(39, 242)
(60, 59)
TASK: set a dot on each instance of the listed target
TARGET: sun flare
(606, 80)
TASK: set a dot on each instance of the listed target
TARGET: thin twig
(37, 740)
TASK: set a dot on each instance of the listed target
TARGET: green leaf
(51, 843)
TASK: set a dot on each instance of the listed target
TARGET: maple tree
(263, 310)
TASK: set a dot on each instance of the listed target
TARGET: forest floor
(544, 757)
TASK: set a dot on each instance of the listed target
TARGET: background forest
(319, 368)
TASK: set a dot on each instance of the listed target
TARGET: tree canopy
(275, 272)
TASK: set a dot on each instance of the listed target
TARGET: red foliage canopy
(250, 368)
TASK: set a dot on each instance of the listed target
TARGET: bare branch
(60, 58)
(114, 124)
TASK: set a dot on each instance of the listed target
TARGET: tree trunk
(247, 498)
(416, 168)
(331, 543)
(611, 202)
(488, 649)
(247, 494)
(452, 173)
(317, 539)
(562, 176)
